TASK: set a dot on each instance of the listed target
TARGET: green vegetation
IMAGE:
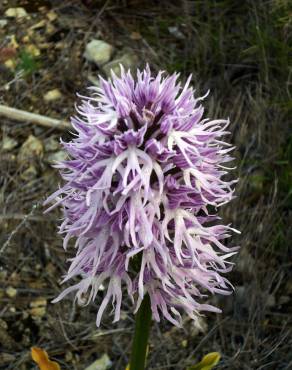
(27, 63)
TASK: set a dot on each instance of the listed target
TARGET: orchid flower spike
(140, 197)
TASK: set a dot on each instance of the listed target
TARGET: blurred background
(239, 50)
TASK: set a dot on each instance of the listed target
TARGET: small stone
(68, 356)
(102, 363)
(184, 343)
(38, 307)
(15, 276)
(50, 29)
(8, 143)
(33, 50)
(128, 60)
(135, 36)
(16, 13)
(10, 64)
(29, 174)
(3, 23)
(52, 16)
(52, 95)
(38, 311)
(25, 39)
(3, 324)
(25, 315)
(124, 315)
(32, 147)
(60, 45)
(51, 144)
(57, 157)
(176, 33)
(11, 292)
(98, 52)
(38, 302)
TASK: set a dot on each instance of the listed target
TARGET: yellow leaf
(208, 362)
(41, 357)
(128, 367)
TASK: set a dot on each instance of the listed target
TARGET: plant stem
(140, 341)
(24, 116)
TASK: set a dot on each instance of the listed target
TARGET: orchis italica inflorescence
(142, 188)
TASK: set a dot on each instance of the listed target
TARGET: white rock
(128, 60)
(11, 292)
(98, 52)
(57, 157)
(52, 95)
(38, 307)
(102, 363)
(3, 23)
(16, 12)
(8, 143)
(29, 174)
(37, 312)
(176, 33)
(31, 148)
(51, 144)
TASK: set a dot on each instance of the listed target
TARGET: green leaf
(28, 63)
(208, 362)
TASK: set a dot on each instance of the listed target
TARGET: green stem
(140, 341)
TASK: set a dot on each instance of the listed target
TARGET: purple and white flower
(140, 197)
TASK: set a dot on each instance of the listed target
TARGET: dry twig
(24, 116)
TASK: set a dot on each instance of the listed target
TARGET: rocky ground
(49, 50)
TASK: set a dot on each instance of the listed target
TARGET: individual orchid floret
(141, 190)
